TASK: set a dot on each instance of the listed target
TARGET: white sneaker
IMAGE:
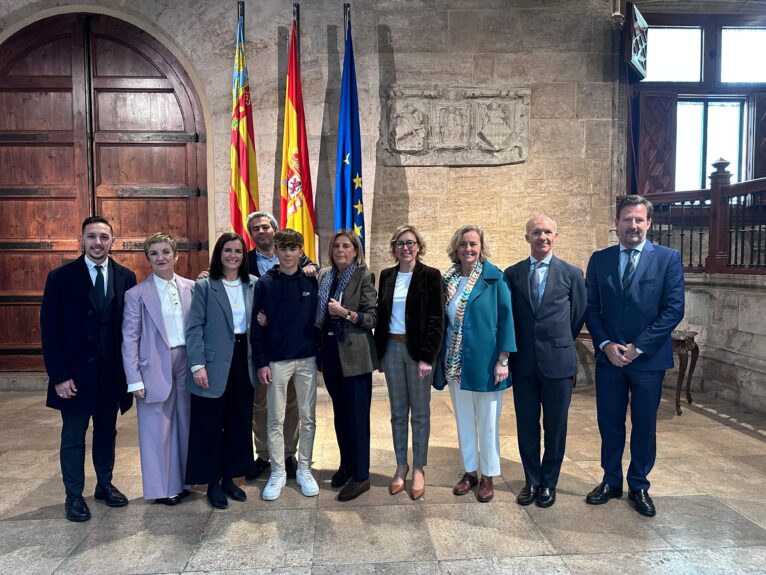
(274, 486)
(308, 484)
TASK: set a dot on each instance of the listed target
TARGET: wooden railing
(720, 230)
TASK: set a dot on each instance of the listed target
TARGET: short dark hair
(634, 200)
(288, 238)
(96, 220)
(216, 266)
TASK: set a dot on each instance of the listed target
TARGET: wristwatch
(504, 362)
(348, 315)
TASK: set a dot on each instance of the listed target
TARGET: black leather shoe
(642, 502)
(110, 495)
(528, 494)
(291, 466)
(76, 509)
(216, 496)
(546, 497)
(259, 466)
(184, 494)
(353, 489)
(603, 493)
(170, 501)
(230, 488)
(339, 478)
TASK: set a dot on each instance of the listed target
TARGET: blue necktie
(630, 270)
(99, 295)
(534, 288)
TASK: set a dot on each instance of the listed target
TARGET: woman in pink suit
(156, 366)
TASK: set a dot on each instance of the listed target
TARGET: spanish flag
(243, 186)
(297, 199)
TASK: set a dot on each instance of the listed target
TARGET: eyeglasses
(400, 244)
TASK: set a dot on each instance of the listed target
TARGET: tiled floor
(708, 484)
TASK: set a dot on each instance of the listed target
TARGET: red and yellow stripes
(243, 185)
(297, 198)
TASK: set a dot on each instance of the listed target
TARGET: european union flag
(349, 210)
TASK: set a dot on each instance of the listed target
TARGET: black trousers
(220, 432)
(351, 398)
(72, 449)
(530, 393)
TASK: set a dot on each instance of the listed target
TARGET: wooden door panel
(41, 111)
(144, 170)
(141, 112)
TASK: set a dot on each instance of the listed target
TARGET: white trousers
(478, 422)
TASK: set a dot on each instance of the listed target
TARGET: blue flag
(349, 209)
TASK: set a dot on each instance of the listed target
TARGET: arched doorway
(96, 117)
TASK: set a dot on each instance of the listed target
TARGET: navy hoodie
(289, 303)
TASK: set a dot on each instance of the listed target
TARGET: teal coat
(488, 330)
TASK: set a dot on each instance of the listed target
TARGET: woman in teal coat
(478, 339)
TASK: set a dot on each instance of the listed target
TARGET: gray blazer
(210, 334)
(546, 340)
(357, 350)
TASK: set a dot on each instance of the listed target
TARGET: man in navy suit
(635, 300)
(81, 327)
(548, 297)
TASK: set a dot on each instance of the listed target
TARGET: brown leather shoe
(485, 492)
(466, 483)
(395, 486)
(416, 494)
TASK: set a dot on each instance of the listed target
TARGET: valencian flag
(297, 199)
(243, 186)
(349, 211)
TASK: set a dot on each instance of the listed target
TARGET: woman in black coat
(408, 339)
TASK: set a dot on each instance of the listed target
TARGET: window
(706, 130)
(674, 55)
(703, 98)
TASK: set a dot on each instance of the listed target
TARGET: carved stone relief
(454, 126)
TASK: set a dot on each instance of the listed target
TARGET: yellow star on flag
(358, 207)
(357, 181)
(358, 231)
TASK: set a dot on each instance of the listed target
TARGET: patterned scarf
(324, 297)
(454, 359)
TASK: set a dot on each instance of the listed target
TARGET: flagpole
(346, 18)
(297, 20)
(241, 8)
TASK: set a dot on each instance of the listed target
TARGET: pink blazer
(145, 349)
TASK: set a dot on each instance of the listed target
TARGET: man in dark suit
(635, 300)
(81, 320)
(262, 227)
(548, 296)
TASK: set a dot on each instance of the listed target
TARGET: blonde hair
(457, 237)
(158, 238)
(402, 230)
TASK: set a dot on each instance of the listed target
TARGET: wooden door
(96, 117)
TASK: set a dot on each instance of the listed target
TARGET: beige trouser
(304, 374)
(260, 416)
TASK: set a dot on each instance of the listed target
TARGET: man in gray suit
(549, 300)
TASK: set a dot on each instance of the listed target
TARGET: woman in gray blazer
(346, 314)
(222, 372)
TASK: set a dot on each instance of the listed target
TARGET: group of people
(236, 354)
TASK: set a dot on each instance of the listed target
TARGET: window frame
(711, 26)
(710, 87)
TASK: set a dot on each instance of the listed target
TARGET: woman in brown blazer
(408, 339)
(346, 314)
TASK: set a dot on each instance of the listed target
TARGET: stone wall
(729, 313)
(562, 52)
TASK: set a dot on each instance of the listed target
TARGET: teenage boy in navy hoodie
(283, 348)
